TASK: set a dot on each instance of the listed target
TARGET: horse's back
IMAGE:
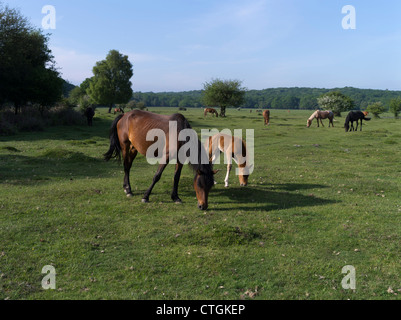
(226, 142)
(135, 125)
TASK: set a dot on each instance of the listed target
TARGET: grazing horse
(233, 148)
(128, 135)
(319, 115)
(354, 116)
(89, 114)
(118, 110)
(266, 117)
(210, 110)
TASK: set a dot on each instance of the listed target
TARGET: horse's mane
(202, 165)
(313, 115)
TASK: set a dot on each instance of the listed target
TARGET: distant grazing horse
(319, 115)
(210, 110)
(89, 114)
(266, 117)
(128, 136)
(233, 148)
(354, 116)
(118, 110)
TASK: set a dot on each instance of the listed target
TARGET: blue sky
(178, 45)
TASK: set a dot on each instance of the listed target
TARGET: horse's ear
(216, 171)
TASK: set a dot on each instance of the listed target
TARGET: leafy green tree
(336, 102)
(79, 96)
(395, 106)
(223, 93)
(308, 102)
(27, 67)
(111, 81)
(376, 109)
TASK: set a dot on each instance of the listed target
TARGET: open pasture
(319, 199)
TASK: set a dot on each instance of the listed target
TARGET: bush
(376, 109)
(33, 118)
(395, 106)
(63, 115)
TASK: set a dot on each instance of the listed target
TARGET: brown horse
(118, 110)
(210, 110)
(233, 148)
(319, 115)
(266, 117)
(128, 136)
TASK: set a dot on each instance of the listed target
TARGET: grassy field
(319, 199)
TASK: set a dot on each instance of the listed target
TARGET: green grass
(319, 199)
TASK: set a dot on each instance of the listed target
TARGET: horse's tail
(115, 148)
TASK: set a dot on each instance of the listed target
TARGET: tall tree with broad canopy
(395, 106)
(336, 102)
(27, 67)
(111, 81)
(223, 94)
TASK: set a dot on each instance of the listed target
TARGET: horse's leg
(156, 178)
(129, 157)
(229, 166)
(174, 194)
(321, 121)
(361, 124)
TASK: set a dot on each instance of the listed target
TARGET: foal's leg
(156, 178)
(174, 194)
(229, 166)
(129, 157)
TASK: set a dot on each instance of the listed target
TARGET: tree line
(272, 98)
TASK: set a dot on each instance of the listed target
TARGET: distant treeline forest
(275, 98)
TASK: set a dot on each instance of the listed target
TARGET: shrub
(376, 109)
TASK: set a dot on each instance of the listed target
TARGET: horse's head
(346, 127)
(308, 123)
(243, 175)
(243, 180)
(203, 183)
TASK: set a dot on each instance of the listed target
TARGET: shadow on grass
(99, 130)
(54, 163)
(268, 198)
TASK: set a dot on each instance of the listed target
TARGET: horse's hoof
(145, 200)
(178, 201)
(129, 195)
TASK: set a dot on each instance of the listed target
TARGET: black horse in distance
(354, 116)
